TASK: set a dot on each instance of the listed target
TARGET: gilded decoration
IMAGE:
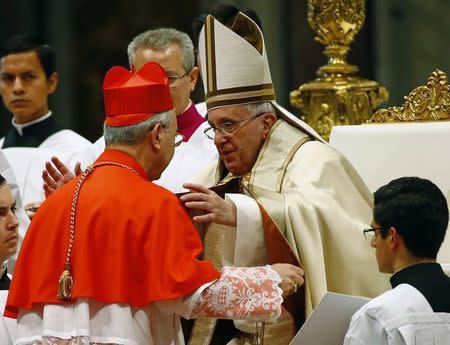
(338, 96)
(425, 103)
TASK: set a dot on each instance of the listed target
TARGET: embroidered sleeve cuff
(249, 293)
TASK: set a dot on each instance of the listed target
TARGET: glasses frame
(235, 126)
(175, 78)
(374, 230)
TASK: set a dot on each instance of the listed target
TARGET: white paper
(329, 322)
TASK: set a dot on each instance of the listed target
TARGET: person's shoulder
(403, 299)
(201, 108)
(156, 197)
(155, 191)
(67, 139)
(319, 148)
(382, 307)
(317, 153)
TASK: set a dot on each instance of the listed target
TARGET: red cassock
(134, 243)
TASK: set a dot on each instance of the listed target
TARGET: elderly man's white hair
(259, 108)
(160, 39)
(135, 134)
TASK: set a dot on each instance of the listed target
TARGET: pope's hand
(291, 278)
(217, 210)
(58, 176)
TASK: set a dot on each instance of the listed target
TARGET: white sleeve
(364, 329)
(182, 306)
(245, 245)
(5, 336)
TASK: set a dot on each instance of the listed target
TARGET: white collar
(20, 126)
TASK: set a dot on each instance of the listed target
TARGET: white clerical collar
(20, 126)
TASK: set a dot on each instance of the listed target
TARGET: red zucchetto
(131, 98)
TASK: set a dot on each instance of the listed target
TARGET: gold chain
(65, 284)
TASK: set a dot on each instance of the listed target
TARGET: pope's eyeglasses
(227, 128)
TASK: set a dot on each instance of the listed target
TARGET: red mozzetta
(134, 243)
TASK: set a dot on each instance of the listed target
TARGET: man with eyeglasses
(174, 51)
(288, 195)
(410, 219)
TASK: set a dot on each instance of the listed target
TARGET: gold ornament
(338, 96)
(425, 103)
(65, 284)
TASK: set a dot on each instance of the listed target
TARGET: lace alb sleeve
(250, 293)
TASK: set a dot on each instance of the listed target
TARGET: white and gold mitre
(234, 63)
(235, 68)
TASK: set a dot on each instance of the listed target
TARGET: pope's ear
(268, 120)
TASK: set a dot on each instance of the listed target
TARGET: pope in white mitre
(285, 195)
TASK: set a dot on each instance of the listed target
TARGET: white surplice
(27, 163)
(10, 324)
(5, 336)
(66, 140)
(401, 316)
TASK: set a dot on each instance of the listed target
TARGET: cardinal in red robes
(113, 258)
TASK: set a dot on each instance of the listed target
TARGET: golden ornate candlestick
(338, 96)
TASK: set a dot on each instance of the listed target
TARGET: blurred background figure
(9, 236)
(9, 241)
(27, 78)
